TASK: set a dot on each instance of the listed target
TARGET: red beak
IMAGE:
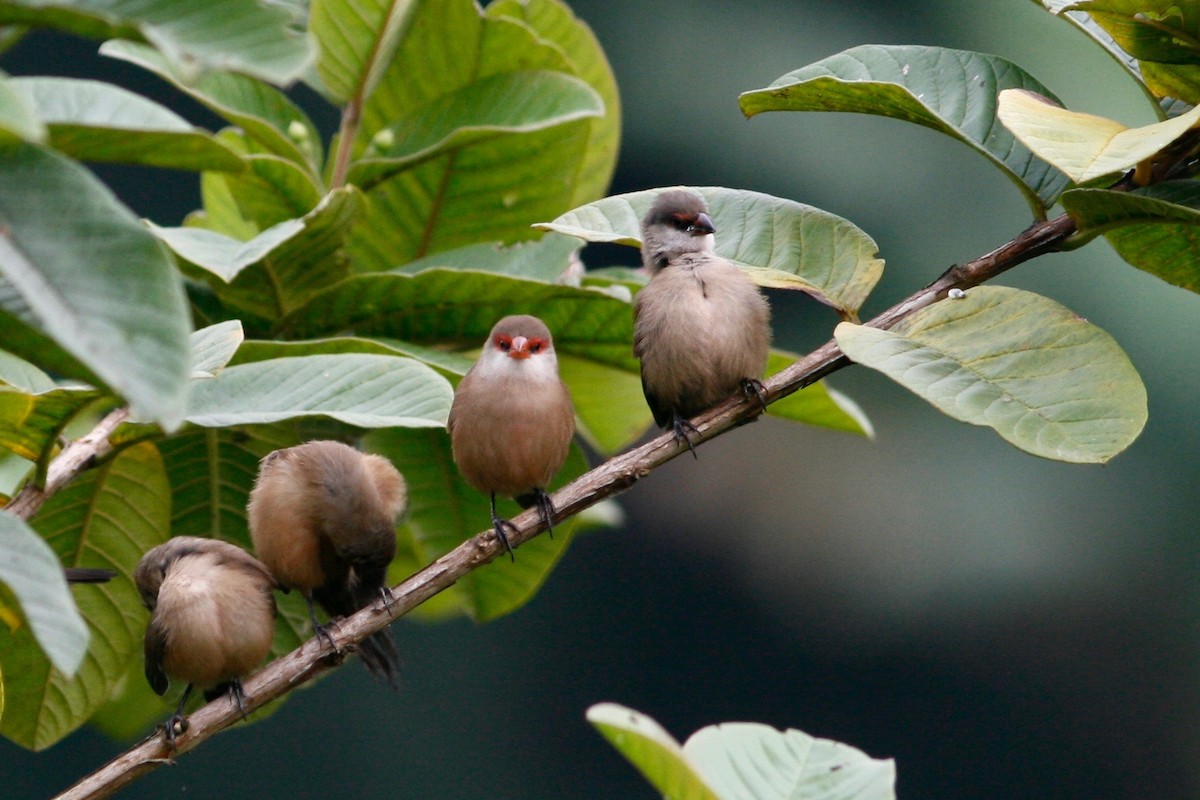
(520, 348)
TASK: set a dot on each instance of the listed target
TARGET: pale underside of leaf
(1046, 380)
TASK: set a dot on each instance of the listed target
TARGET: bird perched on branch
(323, 519)
(512, 420)
(212, 618)
(702, 329)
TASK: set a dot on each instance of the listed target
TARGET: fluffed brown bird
(212, 618)
(322, 517)
(511, 421)
(702, 329)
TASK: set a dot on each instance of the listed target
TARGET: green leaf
(488, 190)
(818, 404)
(1156, 229)
(1165, 31)
(17, 116)
(108, 516)
(738, 760)
(747, 759)
(34, 574)
(1168, 85)
(266, 114)
(366, 391)
(547, 259)
(272, 190)
(652, 750)
(236, 35)
(31, 422)
(555, 24)
(1084, 146)
(609, 402)
(444, 511)
(790, 245)
(214, 346)
(281, 268)
(96, 121)
(357, 40)
(1045, 379)
(950, 91)
(505, 104)
(461, 306)
(93, 279)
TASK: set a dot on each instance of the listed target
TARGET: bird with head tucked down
(323, 519)
(212, 618)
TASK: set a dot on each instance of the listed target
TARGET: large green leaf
(488, 190)
(508, 103)
(1085, 146)
(554, 23)
(108, 516)
(367, 391)
(461, 306)
(32, 421)
(35, 575)
(1042, 377)
(214, 346)
(737, 760)
(96, 121)
(1156, 229)
(237, 35)
(273, 189)
(950, 91)
(281, 268)
(444, 511)
(262, 111)
(788, 244)
(92, 278)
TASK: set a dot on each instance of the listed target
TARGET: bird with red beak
(511, 421)
(702, 329)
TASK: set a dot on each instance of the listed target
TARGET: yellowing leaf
(1085, 146)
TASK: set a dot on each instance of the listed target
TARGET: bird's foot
(177, 725)
(683, 429)
(499, 525)
(385, 594)
(752, 388)
(237, 695)
(546, 508)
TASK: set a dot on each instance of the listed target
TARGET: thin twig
(610, 478)
(75, 457)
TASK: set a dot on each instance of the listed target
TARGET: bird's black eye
(681, 222)
(504, 343)
(535, 346)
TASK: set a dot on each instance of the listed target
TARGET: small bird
(88, 574)
(212, 618)
(323, 519)
(702, 329)
(511, 421)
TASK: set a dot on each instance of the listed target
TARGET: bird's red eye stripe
(537, 345)
(504, 342)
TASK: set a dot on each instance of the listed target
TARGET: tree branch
(610, 478)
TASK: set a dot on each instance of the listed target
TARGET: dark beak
(702, 226)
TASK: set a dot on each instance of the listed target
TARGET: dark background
(1003, 626)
